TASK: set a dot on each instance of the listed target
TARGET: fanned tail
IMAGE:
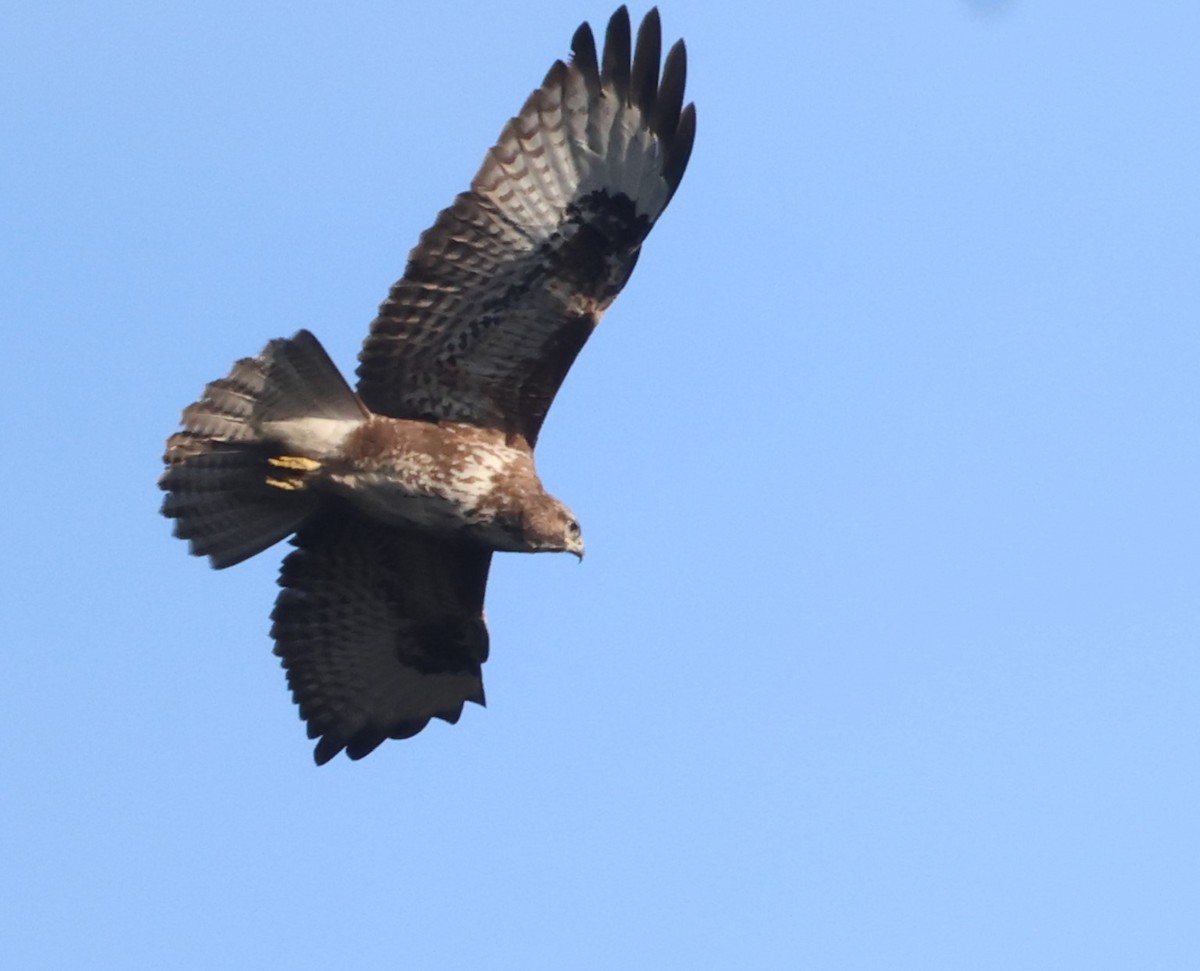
(238, 475)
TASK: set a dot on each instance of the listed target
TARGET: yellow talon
(295, 462)
(289, 484)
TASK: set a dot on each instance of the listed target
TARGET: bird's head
(550, 527)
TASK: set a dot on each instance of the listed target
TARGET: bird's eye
(573, 528)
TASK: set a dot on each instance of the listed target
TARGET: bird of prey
(398, 494)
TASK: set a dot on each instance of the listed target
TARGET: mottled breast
(442, 476)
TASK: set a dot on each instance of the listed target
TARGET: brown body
(453, 478)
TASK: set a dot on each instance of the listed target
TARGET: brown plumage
(399, 494)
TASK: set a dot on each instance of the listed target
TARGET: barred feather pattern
(289, 399)
(500, 295)
(380, 630)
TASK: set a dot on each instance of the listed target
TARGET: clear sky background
(885, 651)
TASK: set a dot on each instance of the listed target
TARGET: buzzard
(399, 493)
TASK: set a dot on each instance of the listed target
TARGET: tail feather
(300, 381)
(226, 410)
(222, 503)
(238, 476)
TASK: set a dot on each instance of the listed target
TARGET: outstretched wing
(379, 629)
(501, 293)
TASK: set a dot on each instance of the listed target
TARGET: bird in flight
(399, 492)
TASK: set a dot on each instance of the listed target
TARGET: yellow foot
(296, 463)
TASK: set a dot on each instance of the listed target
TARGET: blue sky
(884, 654)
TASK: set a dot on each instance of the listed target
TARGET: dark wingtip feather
(661, 98)
(583, 54)
(553, 79)
(646, 56)
(669, 102)
(326, 749)
(364, 744)
(681, 148)
(617, 44)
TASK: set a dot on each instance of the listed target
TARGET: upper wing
(379, 630)
(502, 292)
